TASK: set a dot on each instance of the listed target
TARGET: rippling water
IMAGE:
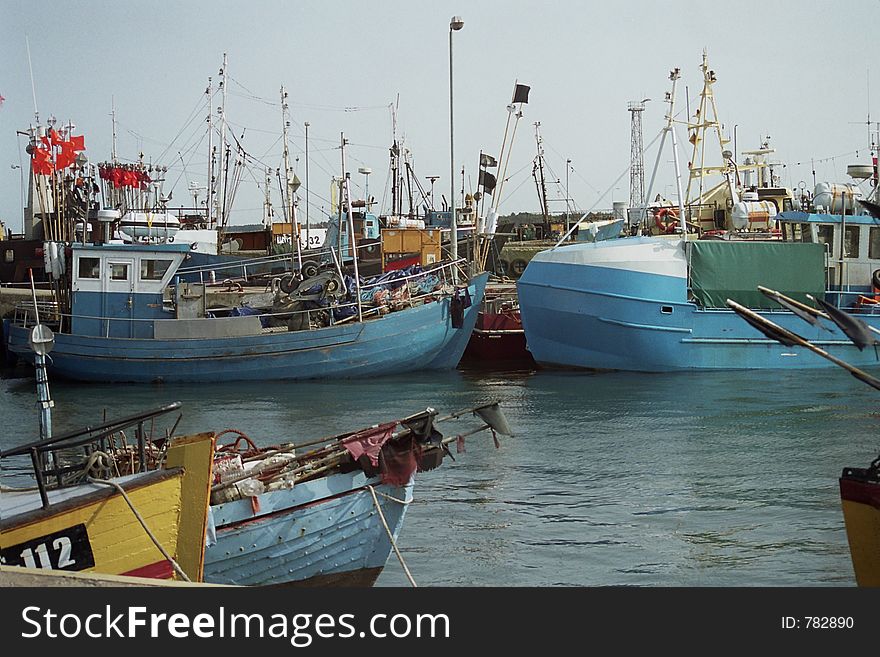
(716, 479)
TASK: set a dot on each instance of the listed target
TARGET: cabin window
(154, 270)
(851, 242)
(806, 233)
(89, 268)
(118, 271)
(826, 236)
(796, 232)
(874, 243)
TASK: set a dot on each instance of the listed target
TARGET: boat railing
(240, 270)
(253, 267)
(47, 311)
(63, 468)
(50, 314)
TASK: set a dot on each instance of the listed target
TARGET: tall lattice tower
(637, 156)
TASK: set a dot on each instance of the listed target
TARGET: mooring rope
(174, 564)
(390, 535)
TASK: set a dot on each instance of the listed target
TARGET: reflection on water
(715, 479)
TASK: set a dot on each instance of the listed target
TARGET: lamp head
(456, 23)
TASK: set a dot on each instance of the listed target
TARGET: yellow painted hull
(860, 499)
(117, 542)
(97, 531)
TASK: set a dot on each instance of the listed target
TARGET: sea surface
(711, 479)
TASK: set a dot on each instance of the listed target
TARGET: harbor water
(715, 479)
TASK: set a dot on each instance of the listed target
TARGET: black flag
(487, 181)
(487, 160)
(521, 94)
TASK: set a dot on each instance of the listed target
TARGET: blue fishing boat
(327, 516)
(324, 532)
(656, 302)
(124, 318)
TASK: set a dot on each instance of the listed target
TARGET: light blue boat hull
(321, 532)
(616, 318)
(419, 338)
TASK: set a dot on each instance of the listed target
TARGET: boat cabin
(121, 282)
(852, 247)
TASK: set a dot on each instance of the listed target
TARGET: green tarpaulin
(721, 270)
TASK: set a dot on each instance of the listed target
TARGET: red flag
(78, 143)
(41, 162)
(64, 159)
(54, 137)
(115, 176)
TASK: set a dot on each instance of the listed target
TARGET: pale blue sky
(796, 70)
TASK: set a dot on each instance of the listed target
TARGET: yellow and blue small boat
(150, 523)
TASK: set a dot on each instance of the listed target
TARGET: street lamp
(366, 171)
(454, 25)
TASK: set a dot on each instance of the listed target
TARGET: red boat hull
(498, 338)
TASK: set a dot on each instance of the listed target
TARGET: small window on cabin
(874, 243)
(806, 233)
(89, 268)
(826, 236)
(154, 270)
(851, 242)
(118, 271)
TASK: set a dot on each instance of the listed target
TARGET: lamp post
(366, 171)
(454, 25)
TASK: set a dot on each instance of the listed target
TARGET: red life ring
(666, 219)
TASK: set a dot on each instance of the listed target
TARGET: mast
(308, 242)
(674, 75)
(267, 200)
(209, 208)
(224, 155)
(113, 129)
(538, 174)
(352, 242)
(703, 122)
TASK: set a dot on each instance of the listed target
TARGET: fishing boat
(87, 511)
(93, 525)
(327, 512)
(655, 302)
(498, 338)
(102, 504)
(121, 317)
